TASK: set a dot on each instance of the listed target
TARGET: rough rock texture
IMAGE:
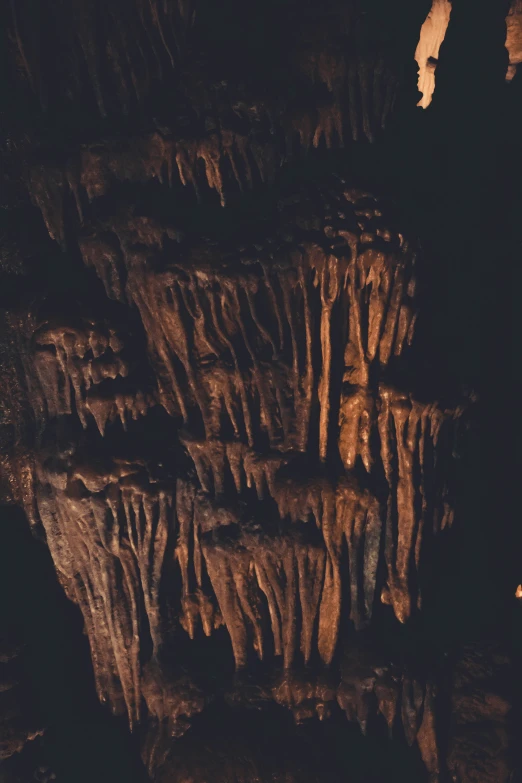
(107, 530)
(371, 692)
(245, 359)
(302, 485)
(480, 748)
(219, 405)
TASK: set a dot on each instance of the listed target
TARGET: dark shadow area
(266, 745)
(83, 742)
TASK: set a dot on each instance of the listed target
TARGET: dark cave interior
(451, 174)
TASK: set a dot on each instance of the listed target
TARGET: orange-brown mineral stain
(514, 38)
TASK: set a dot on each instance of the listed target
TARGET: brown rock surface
(218, 406)
(480, 746)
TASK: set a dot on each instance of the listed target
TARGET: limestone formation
(270, 360)
(220, 407)
(432, 35)
(514, 38)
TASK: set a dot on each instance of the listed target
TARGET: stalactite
(427, 735)
(247, 345)
(46, 187)
(352, 100)
(295, 576)
(227, 575)
(74, 362)
(230, 160)
(364, 73)
(356, 419)
(234, 349)
(369, 691)
(193, 515)
(330, 610)
(431, 37)
(329, 121)
(287, 485)
(96, 41)
(306, 698)
(403, 432)
(330, 277)
(87, 39)
(107, 532)
(206, 316)
(280, 571)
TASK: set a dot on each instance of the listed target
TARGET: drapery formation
(303, 484)
(220, 411)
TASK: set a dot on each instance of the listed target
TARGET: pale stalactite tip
(431, 37)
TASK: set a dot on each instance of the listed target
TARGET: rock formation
(217, 402)
(427, 53)
(432, 35)
(266, 398)
(514, 38)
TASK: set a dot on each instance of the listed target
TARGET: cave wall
(244, 337)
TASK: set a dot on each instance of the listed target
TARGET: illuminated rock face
(514, 38)
(298, 484)
(432, 35)
(275, 362)
(221, 432)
